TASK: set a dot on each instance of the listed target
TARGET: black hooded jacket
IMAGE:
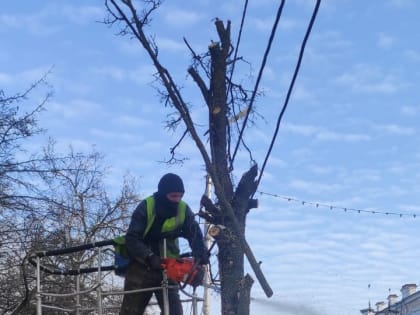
(141, 247)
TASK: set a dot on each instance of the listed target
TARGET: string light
(331, 207)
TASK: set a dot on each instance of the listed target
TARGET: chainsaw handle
(190, 274)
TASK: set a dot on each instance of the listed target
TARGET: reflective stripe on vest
(169, 225)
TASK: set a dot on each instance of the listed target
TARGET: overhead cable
(332, 207)
(260, 73)
(289, 92)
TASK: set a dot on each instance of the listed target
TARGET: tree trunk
(232, 205)
(235, 296)
(236, 288)
(231, 269)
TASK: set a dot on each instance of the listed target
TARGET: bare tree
(49, 201)
(226, 102)
(16, 211)
(16, 127)
(75, 209)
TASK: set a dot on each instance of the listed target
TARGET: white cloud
(301, 153)
(269, 73)
(75, 108)
(83, 14)
(359, 176)
(115, 135)
(305, 130)
(302, 93)
(32, 23)
(26, 78)
(395, 129)
(40, 23)
(259, 136)
(367, 79)
(9, 20)
(33, 74)
(276, 162)
(385, 41)
(131, 47)
(342, 137)
(131, 121)
(261, 24)
(409, 208)
(155, 146)
(412, 55)
(333, 40)
(5, 78)
(113, 72)
(179, 17)
(322, 134)
(400, 3)
(321, 170)
(266, 24)
(170, 45)
(314, 187)
(79, 145)
(398, 169)
(410, 110)
(141, 75)
(289, 23)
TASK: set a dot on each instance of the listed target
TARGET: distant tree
(16, 128)
(50, 201)
(16, 207)
(81, 211)
(229, 108)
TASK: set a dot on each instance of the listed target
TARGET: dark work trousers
(138, 276)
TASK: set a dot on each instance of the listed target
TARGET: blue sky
(349, 138)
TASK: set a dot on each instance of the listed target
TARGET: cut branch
(201, 84)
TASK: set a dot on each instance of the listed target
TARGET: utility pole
(206, 302)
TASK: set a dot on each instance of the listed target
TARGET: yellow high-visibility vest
(169, 225)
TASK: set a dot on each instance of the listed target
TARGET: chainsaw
(184, 270)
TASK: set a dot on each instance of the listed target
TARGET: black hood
(170, 183)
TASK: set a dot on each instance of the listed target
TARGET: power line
(331, 207)
(259, 77)
(289, 91)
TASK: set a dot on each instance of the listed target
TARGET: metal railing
(97, 287)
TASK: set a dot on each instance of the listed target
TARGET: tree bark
(232, 244)
(232, 206)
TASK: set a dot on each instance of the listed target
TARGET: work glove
(202, 259)
(154, 262)
(197, 276)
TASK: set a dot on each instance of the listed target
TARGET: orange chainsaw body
(181, 269)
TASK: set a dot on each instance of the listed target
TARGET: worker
(164, 215)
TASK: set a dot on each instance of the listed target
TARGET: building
(408, 305)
